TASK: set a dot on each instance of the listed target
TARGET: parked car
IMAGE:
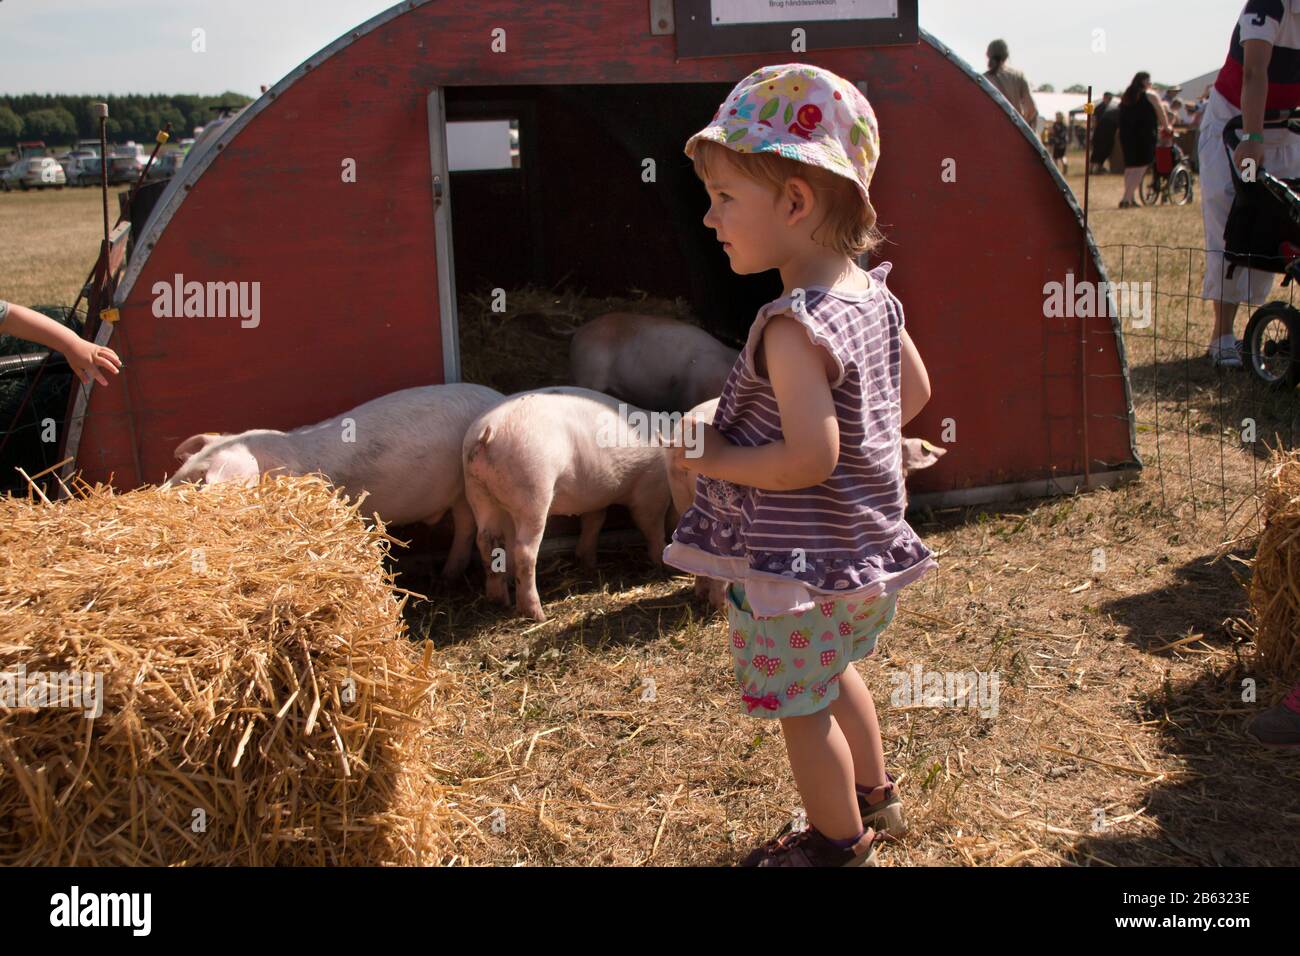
(167, 164)
(85, 171)
(37, 172)
(132, 150)
(123, 169)
(69, 160)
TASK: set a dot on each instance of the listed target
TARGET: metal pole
(1083, 274)
(101, 110)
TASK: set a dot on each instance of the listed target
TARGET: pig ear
(919, 453)
(233, 464)
(194, 444)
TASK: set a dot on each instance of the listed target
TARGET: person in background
(84, 358)
(1140, 113)
(1261, 73)
(1059, 138)
(1105, 126)
(1011, 83)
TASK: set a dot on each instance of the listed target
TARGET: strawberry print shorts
(790, 666)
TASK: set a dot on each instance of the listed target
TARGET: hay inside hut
(258, 702)
(526, 346)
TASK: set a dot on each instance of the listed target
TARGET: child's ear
(195, 444)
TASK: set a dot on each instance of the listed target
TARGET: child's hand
(86, 359)
(703, 438)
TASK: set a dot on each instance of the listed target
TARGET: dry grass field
(1119, 735)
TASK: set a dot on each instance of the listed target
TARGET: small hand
(1248, 150)
(86, 359)
(698, 432)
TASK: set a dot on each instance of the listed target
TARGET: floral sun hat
(804, 113)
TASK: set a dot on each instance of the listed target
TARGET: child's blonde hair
(850, 222)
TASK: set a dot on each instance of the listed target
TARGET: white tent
(1193, 88)
(1049, 104)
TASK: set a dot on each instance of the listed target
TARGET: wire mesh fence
(1204, 432)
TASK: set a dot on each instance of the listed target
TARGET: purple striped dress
(846, 536)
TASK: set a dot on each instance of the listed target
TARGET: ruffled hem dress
(845, 538)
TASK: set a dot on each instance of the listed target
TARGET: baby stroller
(1263, 232)
(1170, 178)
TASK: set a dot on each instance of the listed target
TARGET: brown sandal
(882, 809)
(810, 848)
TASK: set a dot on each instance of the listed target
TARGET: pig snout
(682, 485)
(917, 455)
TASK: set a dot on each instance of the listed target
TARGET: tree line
(62, 119)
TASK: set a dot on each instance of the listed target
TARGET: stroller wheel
(1180, 186)
(1269, 337)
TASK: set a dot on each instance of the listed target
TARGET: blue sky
(143, 46)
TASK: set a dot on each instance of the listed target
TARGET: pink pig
(652, 361)
(402, 449)
(560, 450)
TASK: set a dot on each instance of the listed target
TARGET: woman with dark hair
(1140, 112)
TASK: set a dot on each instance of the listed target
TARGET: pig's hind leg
(527, 541)
(649, 513)
(463, 538)
(592, 522)
(493, 537)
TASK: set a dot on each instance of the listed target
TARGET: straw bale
(229, 626)
(1275, 581)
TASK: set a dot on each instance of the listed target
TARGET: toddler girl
(799, 496)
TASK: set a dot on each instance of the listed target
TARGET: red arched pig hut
(326, 236)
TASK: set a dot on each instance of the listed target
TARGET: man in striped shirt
(1261, 72)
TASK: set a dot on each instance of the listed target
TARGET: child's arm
(84, 358)
(810, 448)
(913, 382)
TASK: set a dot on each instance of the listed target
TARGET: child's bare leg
(823, 772)
(855, 713)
